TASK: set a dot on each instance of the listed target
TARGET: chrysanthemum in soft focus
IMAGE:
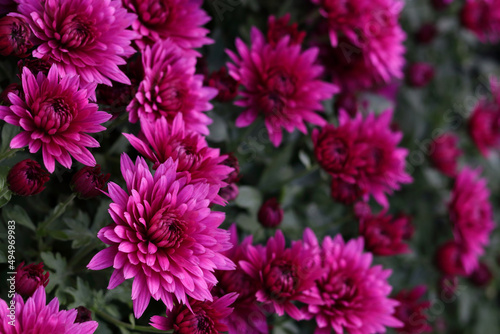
(482, 17)
(280, 83)
(87, 37)
(169, 87)
(15, 36)
(444, 153)
(355, 295)
(270, 213)
(482, 275)
(471, 215)
(189, 149)
(363, 152)
(164, 235)
(202, 316)
(283, 275)
(27, 178)
(384, 234)
(89, 181)
(366, 42)
(35, 316)
(29, 277)
(279, 28)
(56, 116)
(179, 20)
(224, 83)
(484, 123)
(412, 311)
(449, 258)
(419, 74)
(247, 315)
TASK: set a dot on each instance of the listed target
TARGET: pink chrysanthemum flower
(444, 153)
(164, 235)
(203, 317)
(283, 275)
(35, 316)
(354, 294)
(367, 42)
(190, 150)
(482, 17)
(412, 311)
(247, 316)
(179, 20)
(280, 82)
(84, 37)
(169, 87)
(484, 123)
(363, 152)
(56, 116)
(471, 215)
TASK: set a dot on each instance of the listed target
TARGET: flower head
(426, 33)
(385, 234)
(203, 317)
(279, 28)
(270, 213)
(482, 17)
(283, 275)
(15, 36)
(56, 116)
(471, 215)
(27, 178)
(280, 82)
(366, 42)
(482, 275)
(362, 152)
(354, 294)
(411, 311)
(179, 20)
(451, 258)
(444, 154)
(170, 87)
(189, 149)
(84, 37)
(164, 235)
(35, 316)
(419, 74)
(89, 181)
(224, 83)
(29, 278)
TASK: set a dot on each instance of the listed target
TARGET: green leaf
(304, 158)
(249, 198)
(9, 131)
(278, 170)
(79, 230)
(19, 215)
(82, 295)
(4, 171)
(59, 269)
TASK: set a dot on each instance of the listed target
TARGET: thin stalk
(60, 209)
(118, 323)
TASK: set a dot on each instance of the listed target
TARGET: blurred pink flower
(169, 87)
(471, 215)
(280, 82)
(179, 20)
(354, 294)
(164, 235)
(444, 153)
(279, 28)
(56, 116)
(412, 311)
(86, 37)
(482, 17)
(35, 316)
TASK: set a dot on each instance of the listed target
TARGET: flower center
(19, 36)
(332, 154)
(338, 292)
(281, 281)
(278, 87)
(165, 230)
(171, 99)
(77, 33)
(54, 114)
(155, 12)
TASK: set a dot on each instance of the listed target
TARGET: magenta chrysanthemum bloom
(384, 234)
(280, 82)
(190, 149)
(444, 153)
(179, 20)
(363, 152)
(35, 316)
(84, 37)
(56, 116)
(29, 277)
(283, 275)
(471, 215)
(367, 42)
(354, 294)
(412, 311)
(169, 87)
(482, 17)
(204, 317)
(247, 316)
(164, 235)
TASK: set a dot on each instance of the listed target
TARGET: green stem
(9, 153)
(118, 323)
(302, 174)
(79, 255)
(59, 210)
